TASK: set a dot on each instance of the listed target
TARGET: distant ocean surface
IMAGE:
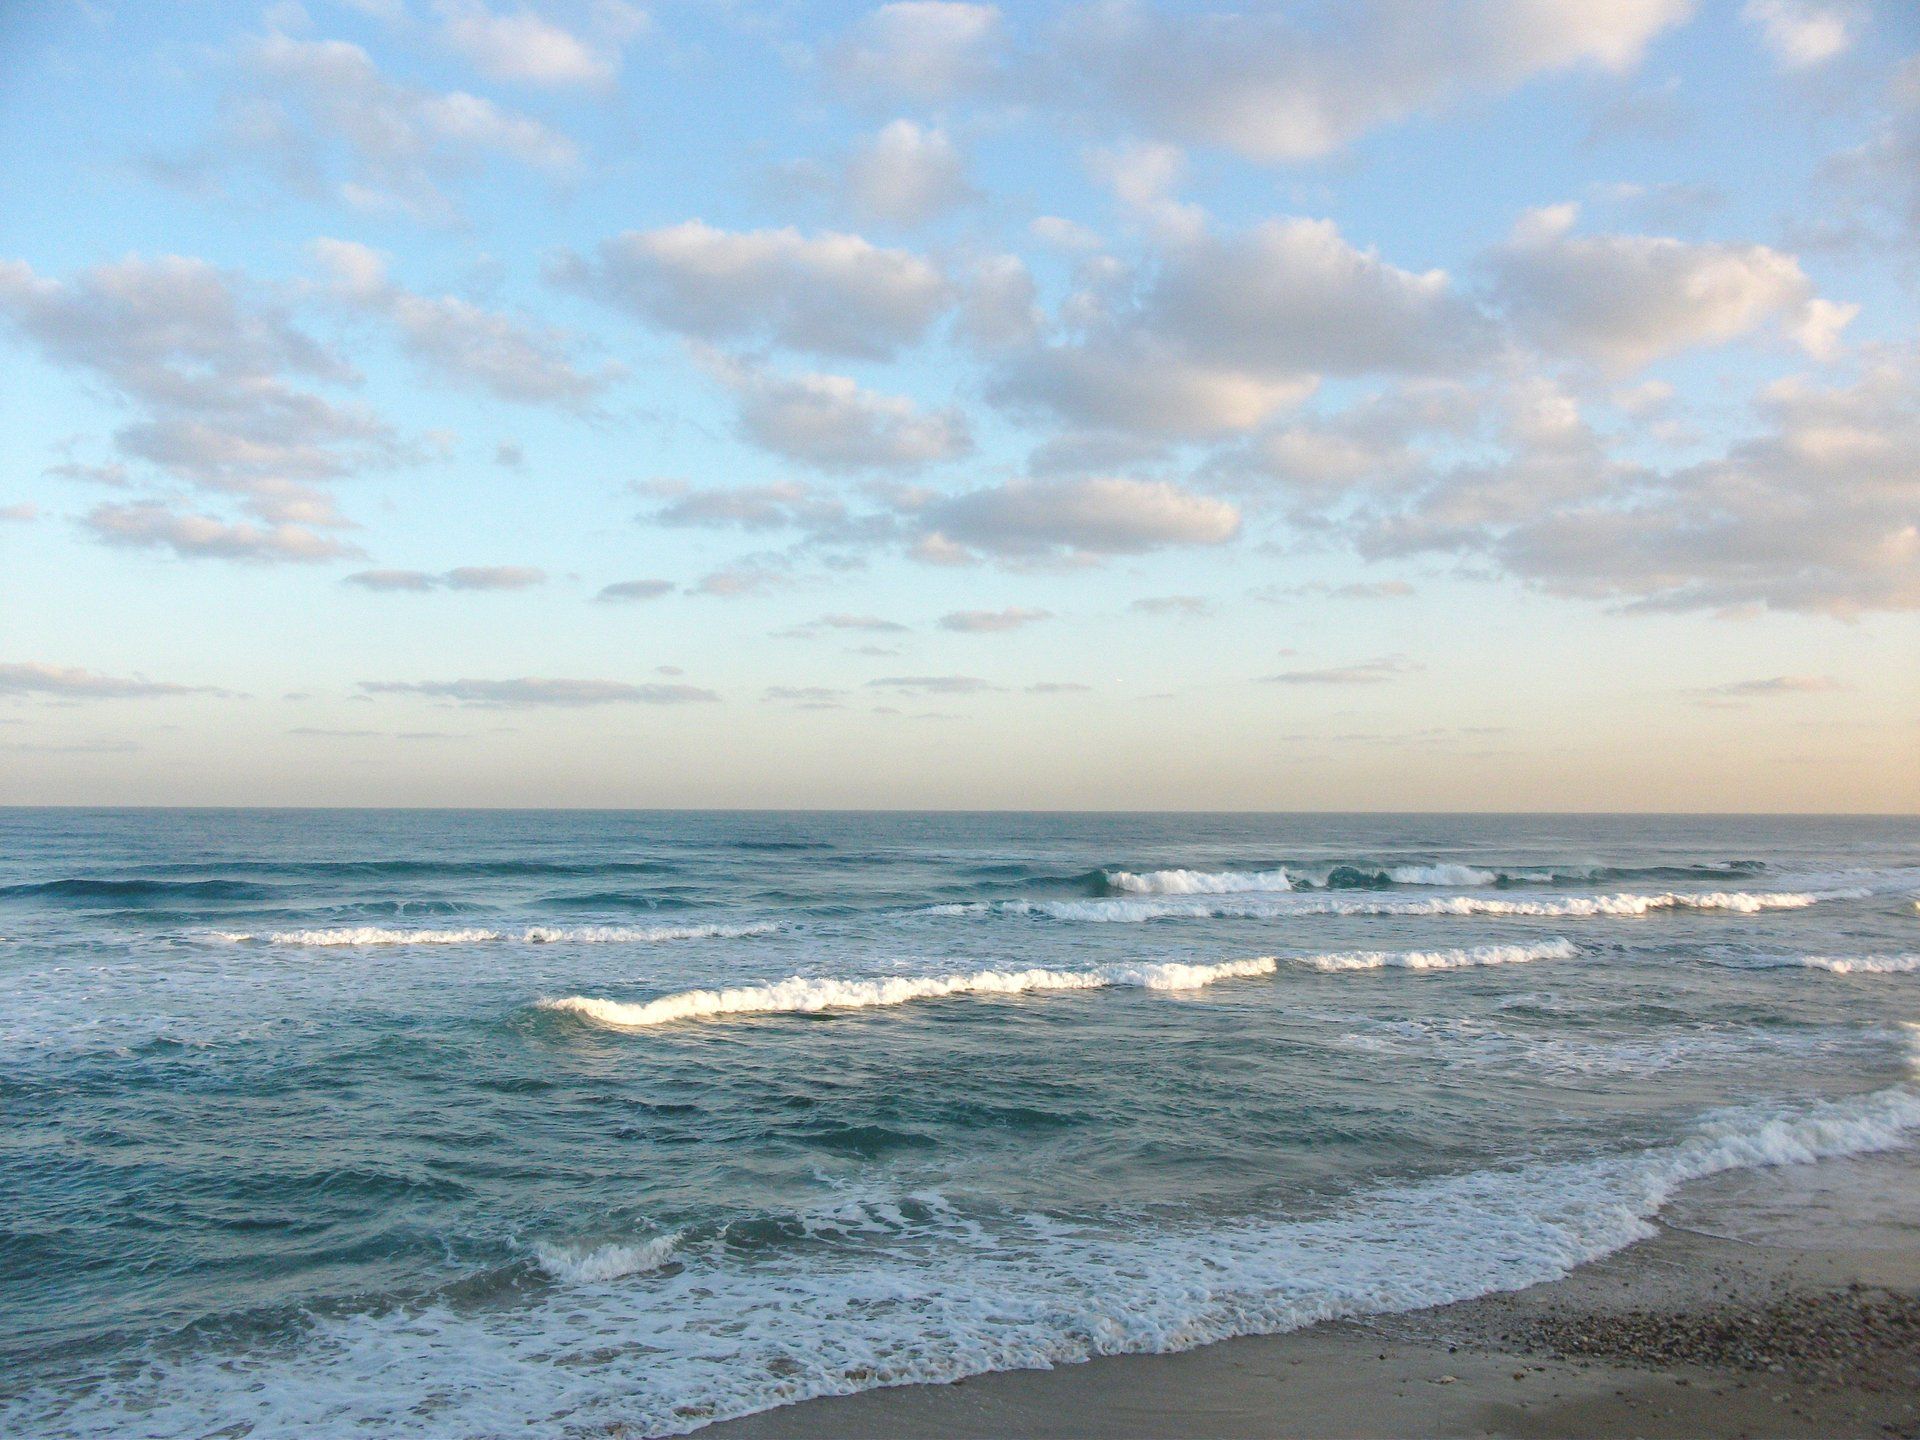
(464, 1124)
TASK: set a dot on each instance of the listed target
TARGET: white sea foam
(596, 1265)
(531, 935)
(807, 995)
(1129, 909)
(1440, 875)
(1198, 882)
(1862, 964)
(1442, 959)
(936, 1294)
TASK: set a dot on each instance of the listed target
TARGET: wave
(532, 935)
(936, 1294)
(1442, 959)
(1862, 964)
(803, 995)
(1278, 906)
(1197, 882)
(598, 1264)
(81, 888)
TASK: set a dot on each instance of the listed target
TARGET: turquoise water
(472, 1124)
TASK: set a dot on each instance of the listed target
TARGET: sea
(475, 1124)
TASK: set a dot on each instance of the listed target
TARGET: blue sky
(1511, 405)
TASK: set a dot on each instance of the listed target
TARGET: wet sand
(1782, 1302)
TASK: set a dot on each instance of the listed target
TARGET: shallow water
(460, 1124)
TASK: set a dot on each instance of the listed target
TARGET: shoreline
(1775, 1302)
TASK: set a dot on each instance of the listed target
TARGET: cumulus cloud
(1366, 672)
(906, 174)
(529, 691)
(66, 682)
(925, 50)
(1624, 300)
(1799, 34)
(464, 577)
(867, 624)
(21, 513)
(210, 367)
(833, 423)
(631, 590)
(1816, 512)
(1105, 516)
(1234, 327)
(322, 118)
(834, 294)
(986, 622)
(514, 359)
(1259, 82)
(523, 46)
(193, 536)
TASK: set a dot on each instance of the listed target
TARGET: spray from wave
(596, 1265)
(802, 995)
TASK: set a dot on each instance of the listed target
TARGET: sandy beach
(1779, 1302)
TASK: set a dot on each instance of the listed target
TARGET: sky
(1496, 406)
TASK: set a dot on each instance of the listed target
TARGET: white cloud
(630, 590)
(1366, 672)
(1235, 327)
(925, 50)
(210, 367)
(1818, 510)
(989, 622)
(831, 293)
(1799, 34)
(831, 422)
(463, 577)
(328, 123)
(933, 684)
(1257, 82)
(780, 506)
(538, 691)
(66, 682)
(523, 46)
(514, 359)
(907, 174)
(204, 537)
(1094, 516)
(1624, 300)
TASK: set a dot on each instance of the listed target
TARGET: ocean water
(473, 1124)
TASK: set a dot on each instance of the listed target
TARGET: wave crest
(595, 1265)
(1623, 906)
(803, 995)
(1198, 882)
(1442, 959)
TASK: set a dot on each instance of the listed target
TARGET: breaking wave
(1197, 882)
(1443, 959)
(598, 1264)
(1271, 906)
(532, 935)
(899, 1307)
(1862, 964)
(802, 995)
